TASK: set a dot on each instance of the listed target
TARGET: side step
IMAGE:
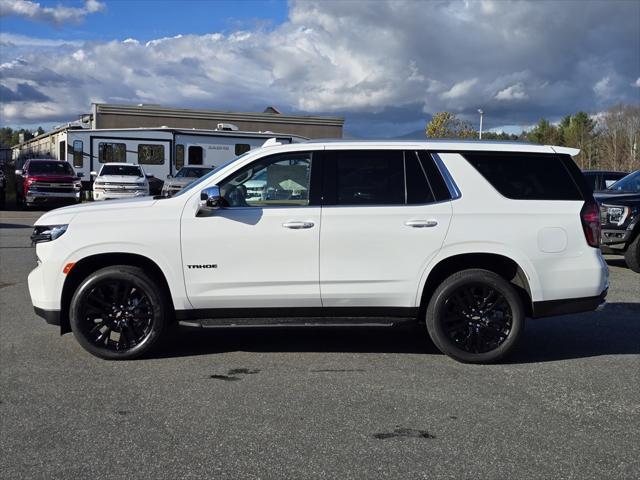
(293, 322)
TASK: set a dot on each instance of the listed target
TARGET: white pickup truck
(465, 238)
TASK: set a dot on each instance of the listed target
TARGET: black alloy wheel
(117, 313)
(475, 316)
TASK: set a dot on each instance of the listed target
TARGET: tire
(632, 255)
(460, 325)
(125, 330)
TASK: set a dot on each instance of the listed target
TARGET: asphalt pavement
(320, 403)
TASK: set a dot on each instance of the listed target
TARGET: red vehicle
(47, 181)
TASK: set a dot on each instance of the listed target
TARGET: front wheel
(632, 255)
(118, 313)
(475, 316)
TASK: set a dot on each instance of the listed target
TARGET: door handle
(421, 223)
(298, 225)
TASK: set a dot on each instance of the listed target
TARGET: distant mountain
(417, 135)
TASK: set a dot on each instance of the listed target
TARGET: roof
(453, 145)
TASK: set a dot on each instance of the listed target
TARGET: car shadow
(614, 331)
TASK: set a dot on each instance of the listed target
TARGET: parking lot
(318, 403)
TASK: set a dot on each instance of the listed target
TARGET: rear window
(53, 168)
(526, 176)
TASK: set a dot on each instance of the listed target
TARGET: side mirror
(18, 172)
(80, 174)
(210, 199)
(94, 174)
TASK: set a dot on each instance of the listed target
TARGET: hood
(617, 198)
(179, 182)
(121, 179)
(47, 177)
(64, 215)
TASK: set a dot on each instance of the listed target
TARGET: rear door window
(526, 176)
(370, 177)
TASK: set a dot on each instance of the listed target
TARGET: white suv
(466, 239)
(120, 180)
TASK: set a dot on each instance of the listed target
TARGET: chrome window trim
(454, 191)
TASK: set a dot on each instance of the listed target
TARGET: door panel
(258, 261)
(380, 228)
(261, 249)
(373, 256)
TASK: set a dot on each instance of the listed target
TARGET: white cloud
(460, 89)
(57, 15)
(363, 61)
(603, 87)
(513, 92)
(637, 83)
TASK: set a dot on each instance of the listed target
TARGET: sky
(385, 66)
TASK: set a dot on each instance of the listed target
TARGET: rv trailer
(161, 151)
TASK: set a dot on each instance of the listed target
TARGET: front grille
(51, 187)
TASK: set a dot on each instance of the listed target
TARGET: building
(107, 116)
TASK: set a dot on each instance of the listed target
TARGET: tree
(578, 131)
(447, 125)
(619, 138)
(544, 133)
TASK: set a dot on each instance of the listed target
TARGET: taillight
(590, 217)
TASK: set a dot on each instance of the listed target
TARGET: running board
(292, 322)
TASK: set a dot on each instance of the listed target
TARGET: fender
(495, 248)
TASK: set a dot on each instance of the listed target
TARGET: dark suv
(620, 219)
(602, 179)
(3, 186)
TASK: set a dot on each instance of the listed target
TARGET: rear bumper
(52, 317)
(569, 305)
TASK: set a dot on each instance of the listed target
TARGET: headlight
(77, 184)
(615, 215)
(47, 233)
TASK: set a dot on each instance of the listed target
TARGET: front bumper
(52, 317)
(613, 236)
(570, 305)
(34, 196)
(105, 195)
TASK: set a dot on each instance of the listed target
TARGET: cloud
(460, 89)
(513, 92)
(637, 83)
(57, 15)
(375, 63)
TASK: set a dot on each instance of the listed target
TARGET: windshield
(128, 170)
(55, 168)
(630, 183)
(193, 185)
(191, 172)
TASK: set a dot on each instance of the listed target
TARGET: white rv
(160, 151)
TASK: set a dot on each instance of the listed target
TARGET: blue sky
(150, 19)
(385, 66)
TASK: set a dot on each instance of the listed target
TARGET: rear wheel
(118, 313)
(632, 255)
(475, 316)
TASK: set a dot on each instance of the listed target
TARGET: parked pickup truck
(620, 218)
(46, 181)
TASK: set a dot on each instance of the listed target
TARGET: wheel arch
(85, 267)
(501, 264)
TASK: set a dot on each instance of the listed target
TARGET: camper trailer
(160, 151)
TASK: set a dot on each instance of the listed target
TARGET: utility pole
(480, 132)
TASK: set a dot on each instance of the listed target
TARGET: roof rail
(271, 142)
